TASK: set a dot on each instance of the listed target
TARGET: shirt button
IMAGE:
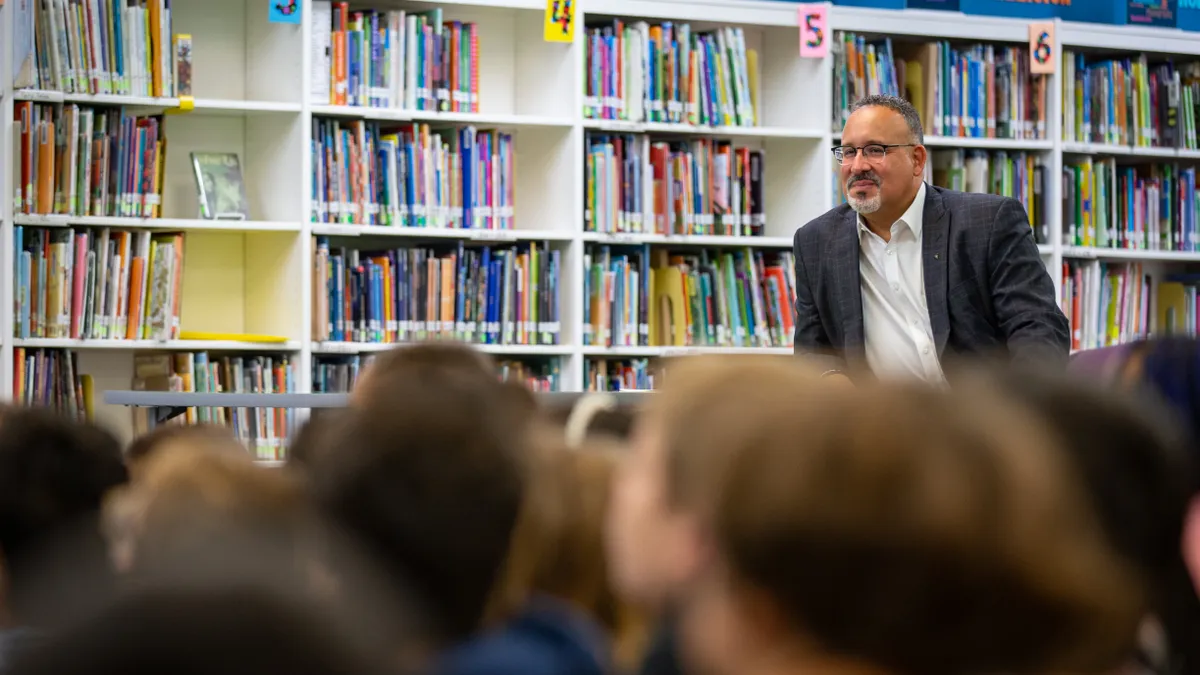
(895, 287)
(889, 251)
(925, 350)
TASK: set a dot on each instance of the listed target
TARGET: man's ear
(920, 157)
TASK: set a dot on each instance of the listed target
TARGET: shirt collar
(914, 216)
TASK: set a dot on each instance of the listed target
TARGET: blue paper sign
(1189, 15)
(284, 11)
(1012, 9)
(873, 4)
(944, 5)
(1159, 13)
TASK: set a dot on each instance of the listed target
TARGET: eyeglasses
(845, 154)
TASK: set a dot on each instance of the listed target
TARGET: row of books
(970, 91)
(122, 47)
(88, 161)
(412, 175)
(619, 374)
(97, 284)
(701, 186)
(50, 378)
(1107, 304)
(393, 59)
(1153, 207)
(635, 296)
(668, 73)
(264, 430)
(1020, 175)
(1128, 101)
(484, 295)
(338, 374)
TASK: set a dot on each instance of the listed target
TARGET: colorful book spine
(1020, 175)
(667, 73)
(619, 374)
(395, 59)
(97, 284)
(365, 173)
(964, 91)
(701, 186)
(50, 378)
(1153, 207)
(121, 47)
(1107, 304)
(483, 295)
(84, 161)
(1130, 101)
(635, 296)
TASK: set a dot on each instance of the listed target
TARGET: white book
(320, 92)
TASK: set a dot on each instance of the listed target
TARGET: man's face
(652, 548)
(881, 183)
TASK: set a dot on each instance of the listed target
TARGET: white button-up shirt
(896, 328)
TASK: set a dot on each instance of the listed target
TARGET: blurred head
(425, 468)
(878, 180)
(898, 529)
(1134, 469)
(188, 437)
(655, 536)
(54, 473)
(211, 631)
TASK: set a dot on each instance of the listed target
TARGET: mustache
(870, 175)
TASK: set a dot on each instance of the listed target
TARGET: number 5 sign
(814, 31)
(1042, 57)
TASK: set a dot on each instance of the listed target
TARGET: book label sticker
(1157, 13)
(559, 22)
(284, 11)
(814, 32)
(1042, 59)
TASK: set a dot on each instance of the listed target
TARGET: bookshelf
(260, 90)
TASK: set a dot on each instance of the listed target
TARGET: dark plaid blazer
(986, 286)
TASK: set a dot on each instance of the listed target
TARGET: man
(907, 274)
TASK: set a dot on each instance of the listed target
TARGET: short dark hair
(54, 474)
(428, 473)
(898, 105)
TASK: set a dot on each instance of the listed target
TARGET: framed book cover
(222, 193)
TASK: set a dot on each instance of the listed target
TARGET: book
(1106, 303)
(965, 91)
(97, 284)
(393, 59)
(639, 296)
(1020, 175)
(88, 161)
(50, 378)
(484, 295)
(1132, 101)
(667, 72)
(1148, 207)
(412, 175)
(105, 47)
(222, 193)
(604, 374)
(701, 186)
(182, 48)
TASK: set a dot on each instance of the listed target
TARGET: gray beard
(865, 206)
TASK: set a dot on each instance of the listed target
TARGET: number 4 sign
(814, 31)
(1042, 57)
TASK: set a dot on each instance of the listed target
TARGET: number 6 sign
(1042, 59)
(814, 31)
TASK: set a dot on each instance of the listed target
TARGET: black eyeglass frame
(857, 149)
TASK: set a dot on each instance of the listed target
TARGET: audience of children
(750, 518)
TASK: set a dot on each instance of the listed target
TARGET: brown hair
(923, 532)
(558, 543)
(196, 437)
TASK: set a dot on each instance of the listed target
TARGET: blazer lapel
(847, 292)
(934, 242)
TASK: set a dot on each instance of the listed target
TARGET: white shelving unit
(251, 82)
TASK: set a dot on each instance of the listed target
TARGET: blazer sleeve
(811, 340)
(1030, 320)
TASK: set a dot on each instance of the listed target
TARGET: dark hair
(54, 473)
(201, 631)
(428, 472)
(898, 105)
(1170, 369)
